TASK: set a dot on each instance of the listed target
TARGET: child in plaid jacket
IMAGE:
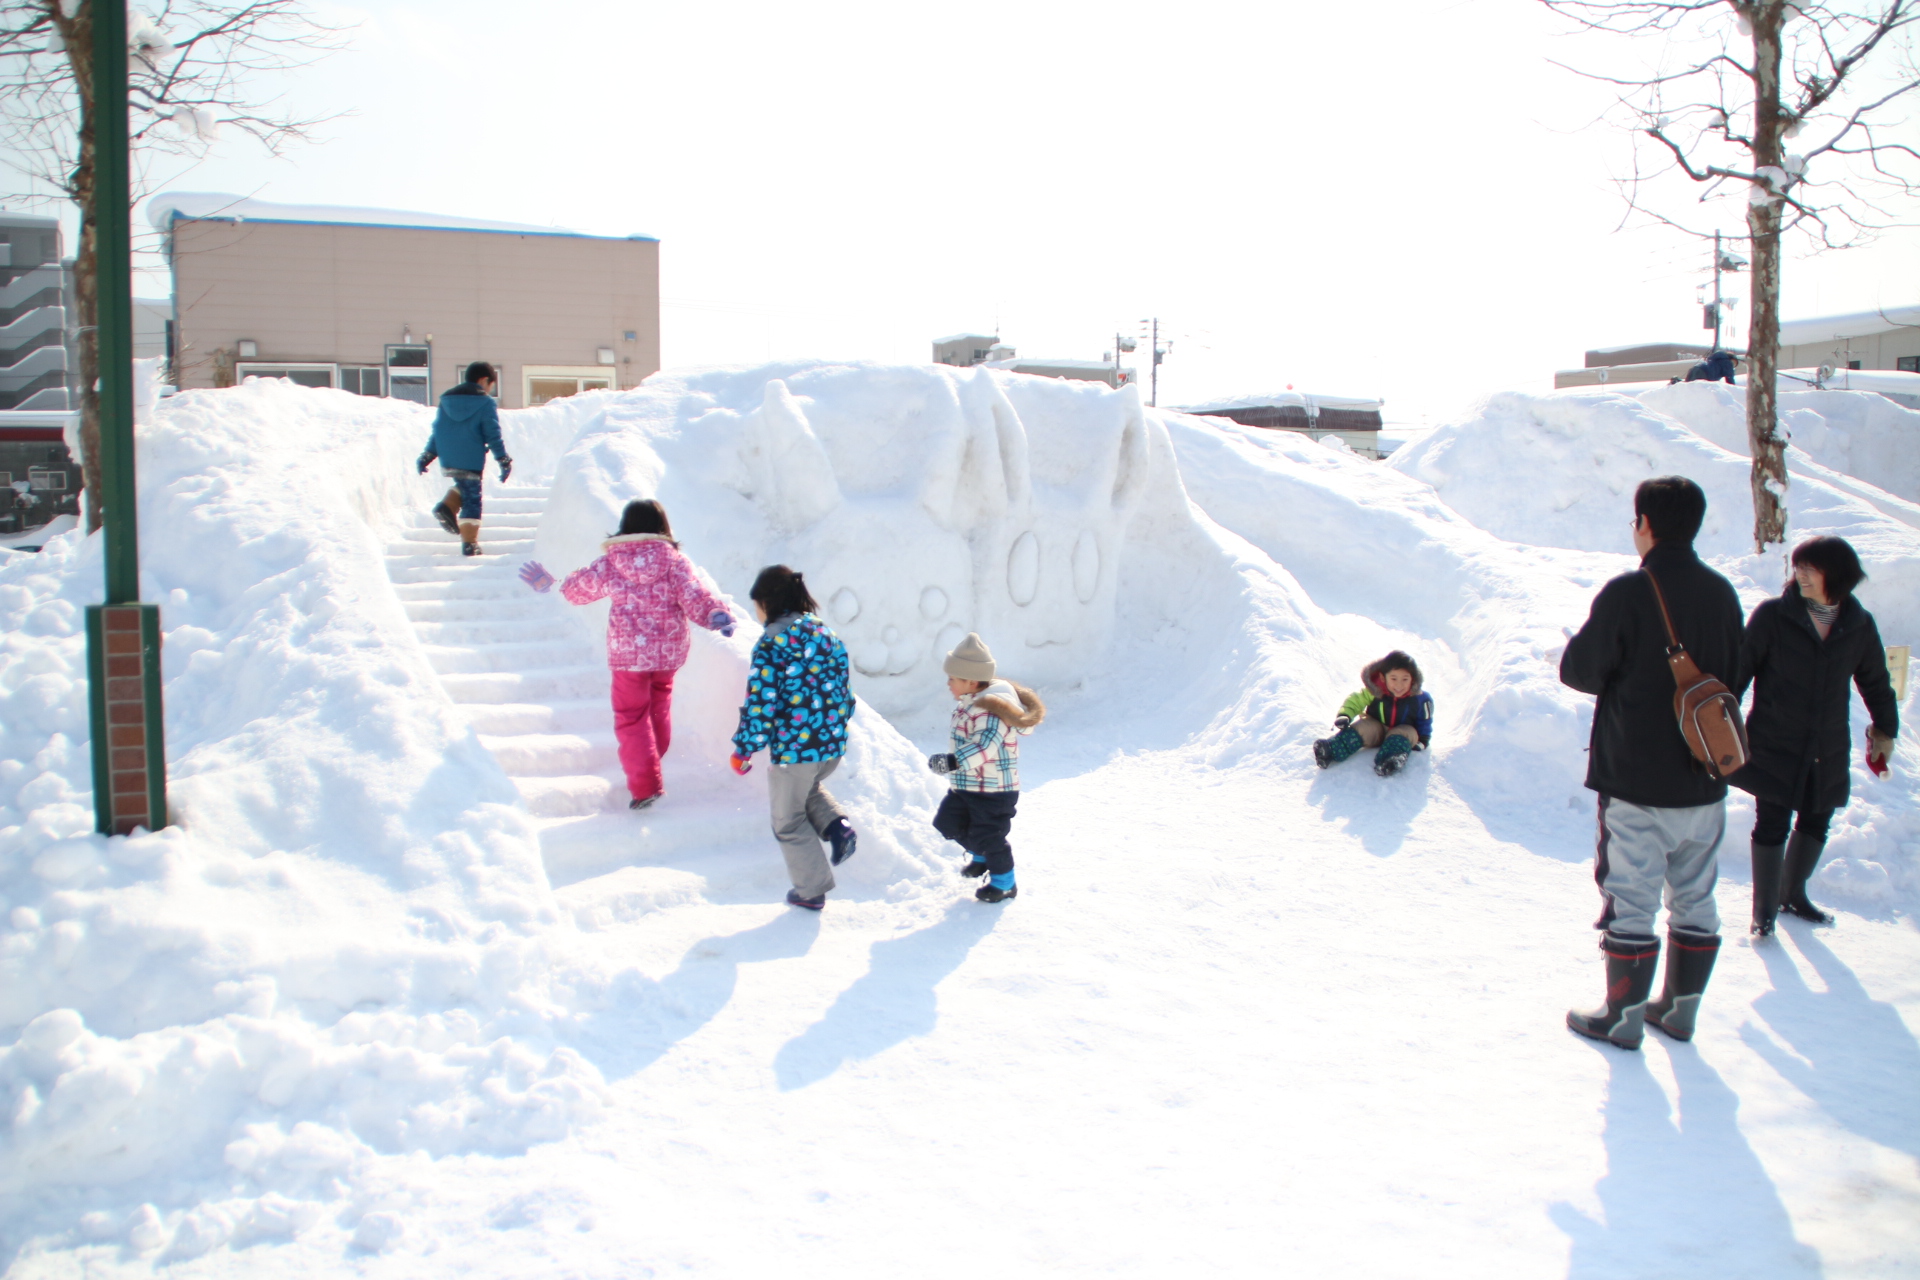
(983, 769)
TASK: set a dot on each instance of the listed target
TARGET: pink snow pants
(643, 722)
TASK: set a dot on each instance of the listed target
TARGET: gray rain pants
(1643, 849)
(802, 811)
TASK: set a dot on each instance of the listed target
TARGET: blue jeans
(468, 485)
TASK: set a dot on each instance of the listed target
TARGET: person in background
(1803, 651)
(797, 709)
(464, 431)
(656, 592)
(1720, 366)
(1662, 815)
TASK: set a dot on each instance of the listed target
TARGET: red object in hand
(740, 765)
(1876, 764)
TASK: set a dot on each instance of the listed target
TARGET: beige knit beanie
(970, 659)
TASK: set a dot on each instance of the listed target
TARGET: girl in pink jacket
(655, 594)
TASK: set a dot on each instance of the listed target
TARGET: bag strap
(1659, 598)
(1685, 670)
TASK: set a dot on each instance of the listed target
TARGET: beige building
(380, 302)
(1888, 340)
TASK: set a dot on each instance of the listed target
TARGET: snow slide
(408, 991)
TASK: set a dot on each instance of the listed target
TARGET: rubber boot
(469, 537)
(448, 517)
(1803, 855)
(1341, 746)
(1392, 756)
(1622, 1019)
(1766, 886)
(1690, 958)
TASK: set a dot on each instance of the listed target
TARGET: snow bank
(1860, 434)
(330, 955)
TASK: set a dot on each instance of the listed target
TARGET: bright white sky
(1390, 199)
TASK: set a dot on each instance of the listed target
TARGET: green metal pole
(123, 635)
(113, 246)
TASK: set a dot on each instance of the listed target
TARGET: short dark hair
(1673, 505)
(481, 369)
(645, 515)
(1837, 562)
(781, 591)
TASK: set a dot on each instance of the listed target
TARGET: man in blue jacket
(467, 426)
(1662, 815)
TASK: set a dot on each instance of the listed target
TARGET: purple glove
(721, 621)
(534, 575)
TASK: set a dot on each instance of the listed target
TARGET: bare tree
(1720, 91)
(193, 68)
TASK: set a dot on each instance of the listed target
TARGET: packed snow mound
(920, 503)
(1861, 434)
(1568, 464)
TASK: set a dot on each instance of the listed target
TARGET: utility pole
(123, 635)
(1151, 327)
(1716, 291)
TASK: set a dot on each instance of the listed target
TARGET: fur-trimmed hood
(1373, 675)
(1016, 705)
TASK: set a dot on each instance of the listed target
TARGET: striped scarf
(1822, 615)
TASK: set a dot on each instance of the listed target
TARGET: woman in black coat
(1800, 652)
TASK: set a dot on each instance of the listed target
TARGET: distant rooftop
(1282, 400)
(171, 206)
(1857, 324)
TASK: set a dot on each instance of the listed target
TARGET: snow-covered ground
(407, 993)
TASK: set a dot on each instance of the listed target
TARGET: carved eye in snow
(845, 606)
(933, 604)
(1086, 566)
(1023, 569)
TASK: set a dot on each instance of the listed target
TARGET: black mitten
(943, 763)
(1341, 722)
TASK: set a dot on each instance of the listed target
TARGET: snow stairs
(527, 678)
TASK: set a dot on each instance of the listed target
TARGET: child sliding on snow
(983, 769)
(1389, 712)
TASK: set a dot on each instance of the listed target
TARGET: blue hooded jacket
(467, 426)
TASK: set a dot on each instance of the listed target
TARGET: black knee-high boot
(1630, 966)
(1690, 958)
(1767, 861)
(1803, 855)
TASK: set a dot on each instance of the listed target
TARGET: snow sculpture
(931, 510)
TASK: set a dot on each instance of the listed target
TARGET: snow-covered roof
(1043, 362)
(1857, 324)
(167, 207)
(965, 337)
(1283, 400)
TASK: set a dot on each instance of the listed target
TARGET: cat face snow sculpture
(890, 580)
(990, 529)
(1046, 569)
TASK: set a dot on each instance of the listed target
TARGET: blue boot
(1341, 746)
(1392, 756)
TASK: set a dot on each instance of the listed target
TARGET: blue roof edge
(178, 216)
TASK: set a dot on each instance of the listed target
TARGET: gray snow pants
(802, 811)
(1643, 849)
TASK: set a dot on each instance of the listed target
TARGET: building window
(47, 479)
(1907, 364)
(545, 382)
(306, 375)
(361, 379)
(1853, 364)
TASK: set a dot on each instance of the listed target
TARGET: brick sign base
(129, 751)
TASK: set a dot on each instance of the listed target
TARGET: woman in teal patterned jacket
(797, 708)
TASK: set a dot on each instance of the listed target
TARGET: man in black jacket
(1662, 815)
